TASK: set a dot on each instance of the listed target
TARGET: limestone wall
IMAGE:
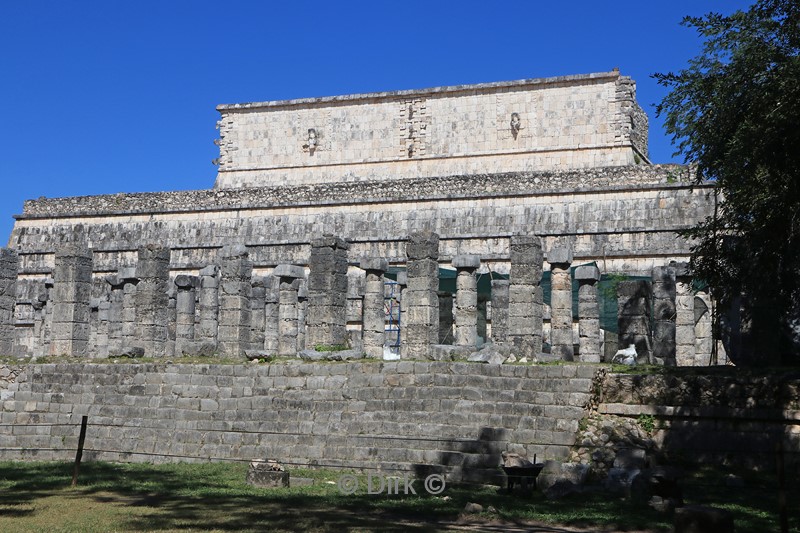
(579, 121)
(393, 416)
(732, 416)
(624, 216)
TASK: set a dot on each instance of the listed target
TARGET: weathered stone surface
(466, 261)
(374, 315)
(327, 292)
(267, 474)
(587, 273)
(71, 295)
(500, 301)
(374, 263)
(289, 271)
(561, 302)
(235, 311)
(420, 322)
(466, 302)
(9, 265)
(525, 297)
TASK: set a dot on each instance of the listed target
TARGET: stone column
(71, 295)
(327, 292)
(115, 301)
(9, 267)
(525, 296)
(466, 308)
(560, 259)
(703, 325)
(402, 286)
(185, 309)
(208, 324)
(258, 302)
(103, 326)
(271, 321)
(664, 315)
(152, 300)
(127, 276)
(235, 319)
(290, 277)
(356, 282)
(302, 315)
(685, 338)
(500, 311)
(374, 321)
(634, 298)
(445, 335)
(588, 313)
(421, 327)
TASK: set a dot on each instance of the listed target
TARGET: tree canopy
(734, 112)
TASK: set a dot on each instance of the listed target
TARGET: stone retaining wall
(721, 415)
(399, 416)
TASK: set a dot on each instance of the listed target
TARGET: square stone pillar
(9, 268)
(71, 297)
(103, 327)
(235, 318)
(703, 329)
(46, 337)
(664, 295)
(185, 311)
(634, 299)
(525, 296)
(588, 313)
(374, 321)
(152, 300)
(258, 302)
(402, 286)
(271, 320)
(208, 308)
(466, 305)
(560, 259)
(327, 292)
(499, 306)
(115, 311)
(421, 327)
(290, 277)
(685, 338)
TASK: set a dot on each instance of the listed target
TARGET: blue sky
(108, 96)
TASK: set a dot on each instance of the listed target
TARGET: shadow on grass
(214, 496)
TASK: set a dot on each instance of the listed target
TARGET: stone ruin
(338, 239)
(144, 311)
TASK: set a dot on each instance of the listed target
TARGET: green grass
(214, 496)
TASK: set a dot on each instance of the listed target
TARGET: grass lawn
(214, 496)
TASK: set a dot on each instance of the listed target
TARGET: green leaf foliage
(734, 112)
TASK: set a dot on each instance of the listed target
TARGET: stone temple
(415, 231)
(315, 201)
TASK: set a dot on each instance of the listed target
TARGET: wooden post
(79, 453)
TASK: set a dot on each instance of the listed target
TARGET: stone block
(374, 263)
(289, 271)
(422, 245)
(560, 254)
(466, 261)
(587, 273)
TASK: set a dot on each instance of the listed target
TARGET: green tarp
(606, 290)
